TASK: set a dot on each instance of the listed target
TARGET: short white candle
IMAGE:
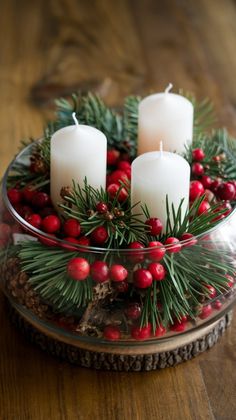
(77, 152)
(154, 176)
(165, 116)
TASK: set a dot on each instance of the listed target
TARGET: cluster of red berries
(214, 189)
(119, 175)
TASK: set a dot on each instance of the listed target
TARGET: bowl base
(119, 362)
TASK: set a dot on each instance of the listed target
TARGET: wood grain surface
(49, 49)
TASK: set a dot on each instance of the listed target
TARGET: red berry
(123, 165)
(234, 184)
(196, 190)
(72, 228)
(47, 211)
(14, 196)
(157, 271)
(84, 241)
(226, 191)
(111, 332)
(112, 157)
(205, 312)
(206, 181)
(118, 176)
(211, 291)
(99, 271)
(178, 326)
(217, 305)
(141, 333)
(24, 211)
(70, 247)
(136, 256)
(5, 231)
(158, 252)
(176, 245)
(78, 268)
(40, 199)
(101, 208)
(99, 236)
(160, 330)
(133, 311)
(34, 220)
(230, 279)
(118, 272)
(198, 154)
(51, 224)
(189, 238)
(197, 169)
(121, 287)
(112, 191)
(204, 207)
(154, 226)
(28, 194)
(214, 185)
(142, 278)
(225, 206)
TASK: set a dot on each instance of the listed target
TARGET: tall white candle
(165, 116)
(154, 176)
(77, 152)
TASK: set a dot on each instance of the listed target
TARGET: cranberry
(204, 207)
(47, 211)
(230, 279)
(14, 196)
(34, 220)
(123, 165)
(141, 333)
(154, 226)
(142, 278)
(158, 252)
(118, 272)
(205, 312)
(178, 326)
(40, 200)
(99, 271)
(101, 208)
(160, 330)
(211, 291)
(196, 190)
(72, 241)
(217, 305)
(84, 241)
(112, 332)
(206, 181)
(121, 287)
(157, 271)
(226, 191)
(136, 256)
(72, 228)
(133, 311)
(112, 191)
(99, 235)
(112, 157)
(78, 268)
(118, 176)
(28, 194)
(51, 224)
(198, 154)
(214, 185)
(189, 238)
(176, 245)
(197, 169)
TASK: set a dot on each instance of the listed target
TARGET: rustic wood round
(141, 358)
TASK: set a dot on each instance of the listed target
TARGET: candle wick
(75, 119)
(161, 147)
(168, 88)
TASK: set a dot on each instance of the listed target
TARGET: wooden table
(49, 49)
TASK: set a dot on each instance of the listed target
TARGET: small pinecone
(102, 290)
(38, 165)
(66, 192)
(20, 289)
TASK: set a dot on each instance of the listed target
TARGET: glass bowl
(110, 322)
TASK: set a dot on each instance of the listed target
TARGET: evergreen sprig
(123, 226)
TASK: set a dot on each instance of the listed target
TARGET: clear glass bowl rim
(81, 247)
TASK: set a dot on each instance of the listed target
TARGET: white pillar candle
(77, 152)
(165, 116)
(155, 175)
